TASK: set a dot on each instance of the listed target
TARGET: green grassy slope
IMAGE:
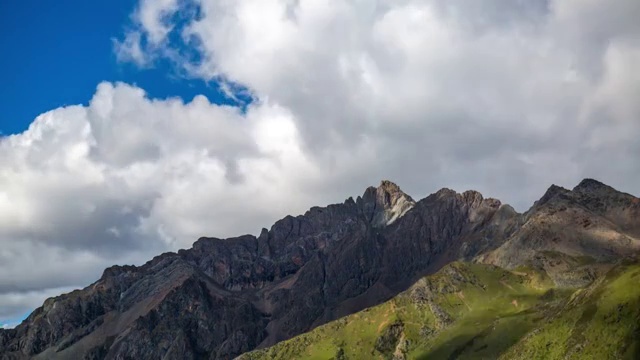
(475, 311)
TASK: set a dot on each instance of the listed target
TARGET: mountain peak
(589, 184)
(389, 186)
(385, 204)
(552, 192)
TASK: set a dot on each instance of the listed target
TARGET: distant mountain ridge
(222, 298)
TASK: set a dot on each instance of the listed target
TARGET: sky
(135, 127)
(60, 50)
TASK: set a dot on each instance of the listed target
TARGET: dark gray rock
(387, 341)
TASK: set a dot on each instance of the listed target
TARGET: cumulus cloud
(505, 97)
(493, 90)
(127, 177)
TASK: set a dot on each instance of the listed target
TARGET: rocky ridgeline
(225, 297)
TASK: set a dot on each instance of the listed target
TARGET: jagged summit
(386, 187)
(390, 187)
(385, 204)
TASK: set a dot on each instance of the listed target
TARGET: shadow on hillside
(488, 343)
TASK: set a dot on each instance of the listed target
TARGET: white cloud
(128, 177)
(467, 84)
(155, 17)
(505, 97)
(130, 50)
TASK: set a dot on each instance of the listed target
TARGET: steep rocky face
(385, 204)
(224, 297)
(369, 264)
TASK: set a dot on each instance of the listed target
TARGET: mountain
(592, 223)
(223, 298)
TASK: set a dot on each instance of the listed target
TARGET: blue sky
(56, 52)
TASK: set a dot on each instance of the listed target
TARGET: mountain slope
(224, 297)
(476, 311)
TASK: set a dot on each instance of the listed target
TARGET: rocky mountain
(222, 298)
(569, 232)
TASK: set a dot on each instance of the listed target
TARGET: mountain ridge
(361, 252)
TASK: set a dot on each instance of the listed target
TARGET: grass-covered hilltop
(477, 311)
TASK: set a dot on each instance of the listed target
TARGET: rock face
(385, 204)
(222, 298)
